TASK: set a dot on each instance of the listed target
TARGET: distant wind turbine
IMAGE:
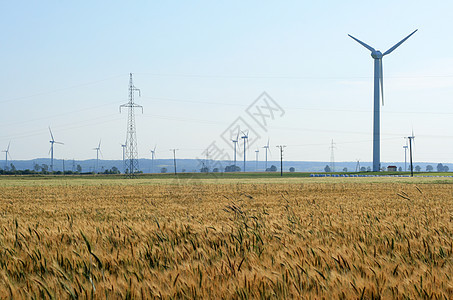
(245, 137)
(257, 151)
(378, 93)
(98, 150)
(153, 155)
(267, 149)
(405, 156)
(235, 141)
(51, 149)
(411, 138)
(124, 153)
(6, 156)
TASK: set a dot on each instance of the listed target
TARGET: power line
(59, 89)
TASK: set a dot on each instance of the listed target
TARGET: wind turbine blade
(51, 135)
(237, 136)
(398, 44)
(155, 148)
(381, 80)
(362, 43)
(268, 143)
(99, 146)
(7, 149)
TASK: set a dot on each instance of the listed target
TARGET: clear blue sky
(200, 64)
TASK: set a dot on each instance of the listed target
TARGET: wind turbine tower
(153, 155)
(411, 138)
(6, 156)
(257, 151)
(405, 157)
(131, 138)
(378, 95)
(267, 149)
(124, 153)
(52, 142)
(245, 138)
(98, 149)
(235, 142)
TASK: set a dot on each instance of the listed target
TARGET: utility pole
(410, 153)
(174, 157)
(281, 158)
(63, 167)
(332, 158)
(131, 139)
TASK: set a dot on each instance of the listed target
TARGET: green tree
(292, 169)
(440, 167)
(417, 168)
(429, 168)
(327, 168)
(79, 168)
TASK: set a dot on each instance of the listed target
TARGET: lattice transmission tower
(131, 158)
(332, 157)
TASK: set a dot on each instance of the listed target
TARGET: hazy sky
(201, 64)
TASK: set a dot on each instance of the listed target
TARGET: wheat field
(302, 239)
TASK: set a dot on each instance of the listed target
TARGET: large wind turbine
(51, 149)
(6, 156)
(378, 93)
(98, 149)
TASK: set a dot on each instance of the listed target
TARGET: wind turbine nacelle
(376, 54)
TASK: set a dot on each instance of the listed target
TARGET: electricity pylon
(131, 138)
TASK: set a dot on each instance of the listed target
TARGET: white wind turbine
(6, 156)
(98, 150)
(245, 137)
(124, 153)
(267, 149)
(153, 155)
(257, 151)
(378, 93)
(51, 149)
(235, 141)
